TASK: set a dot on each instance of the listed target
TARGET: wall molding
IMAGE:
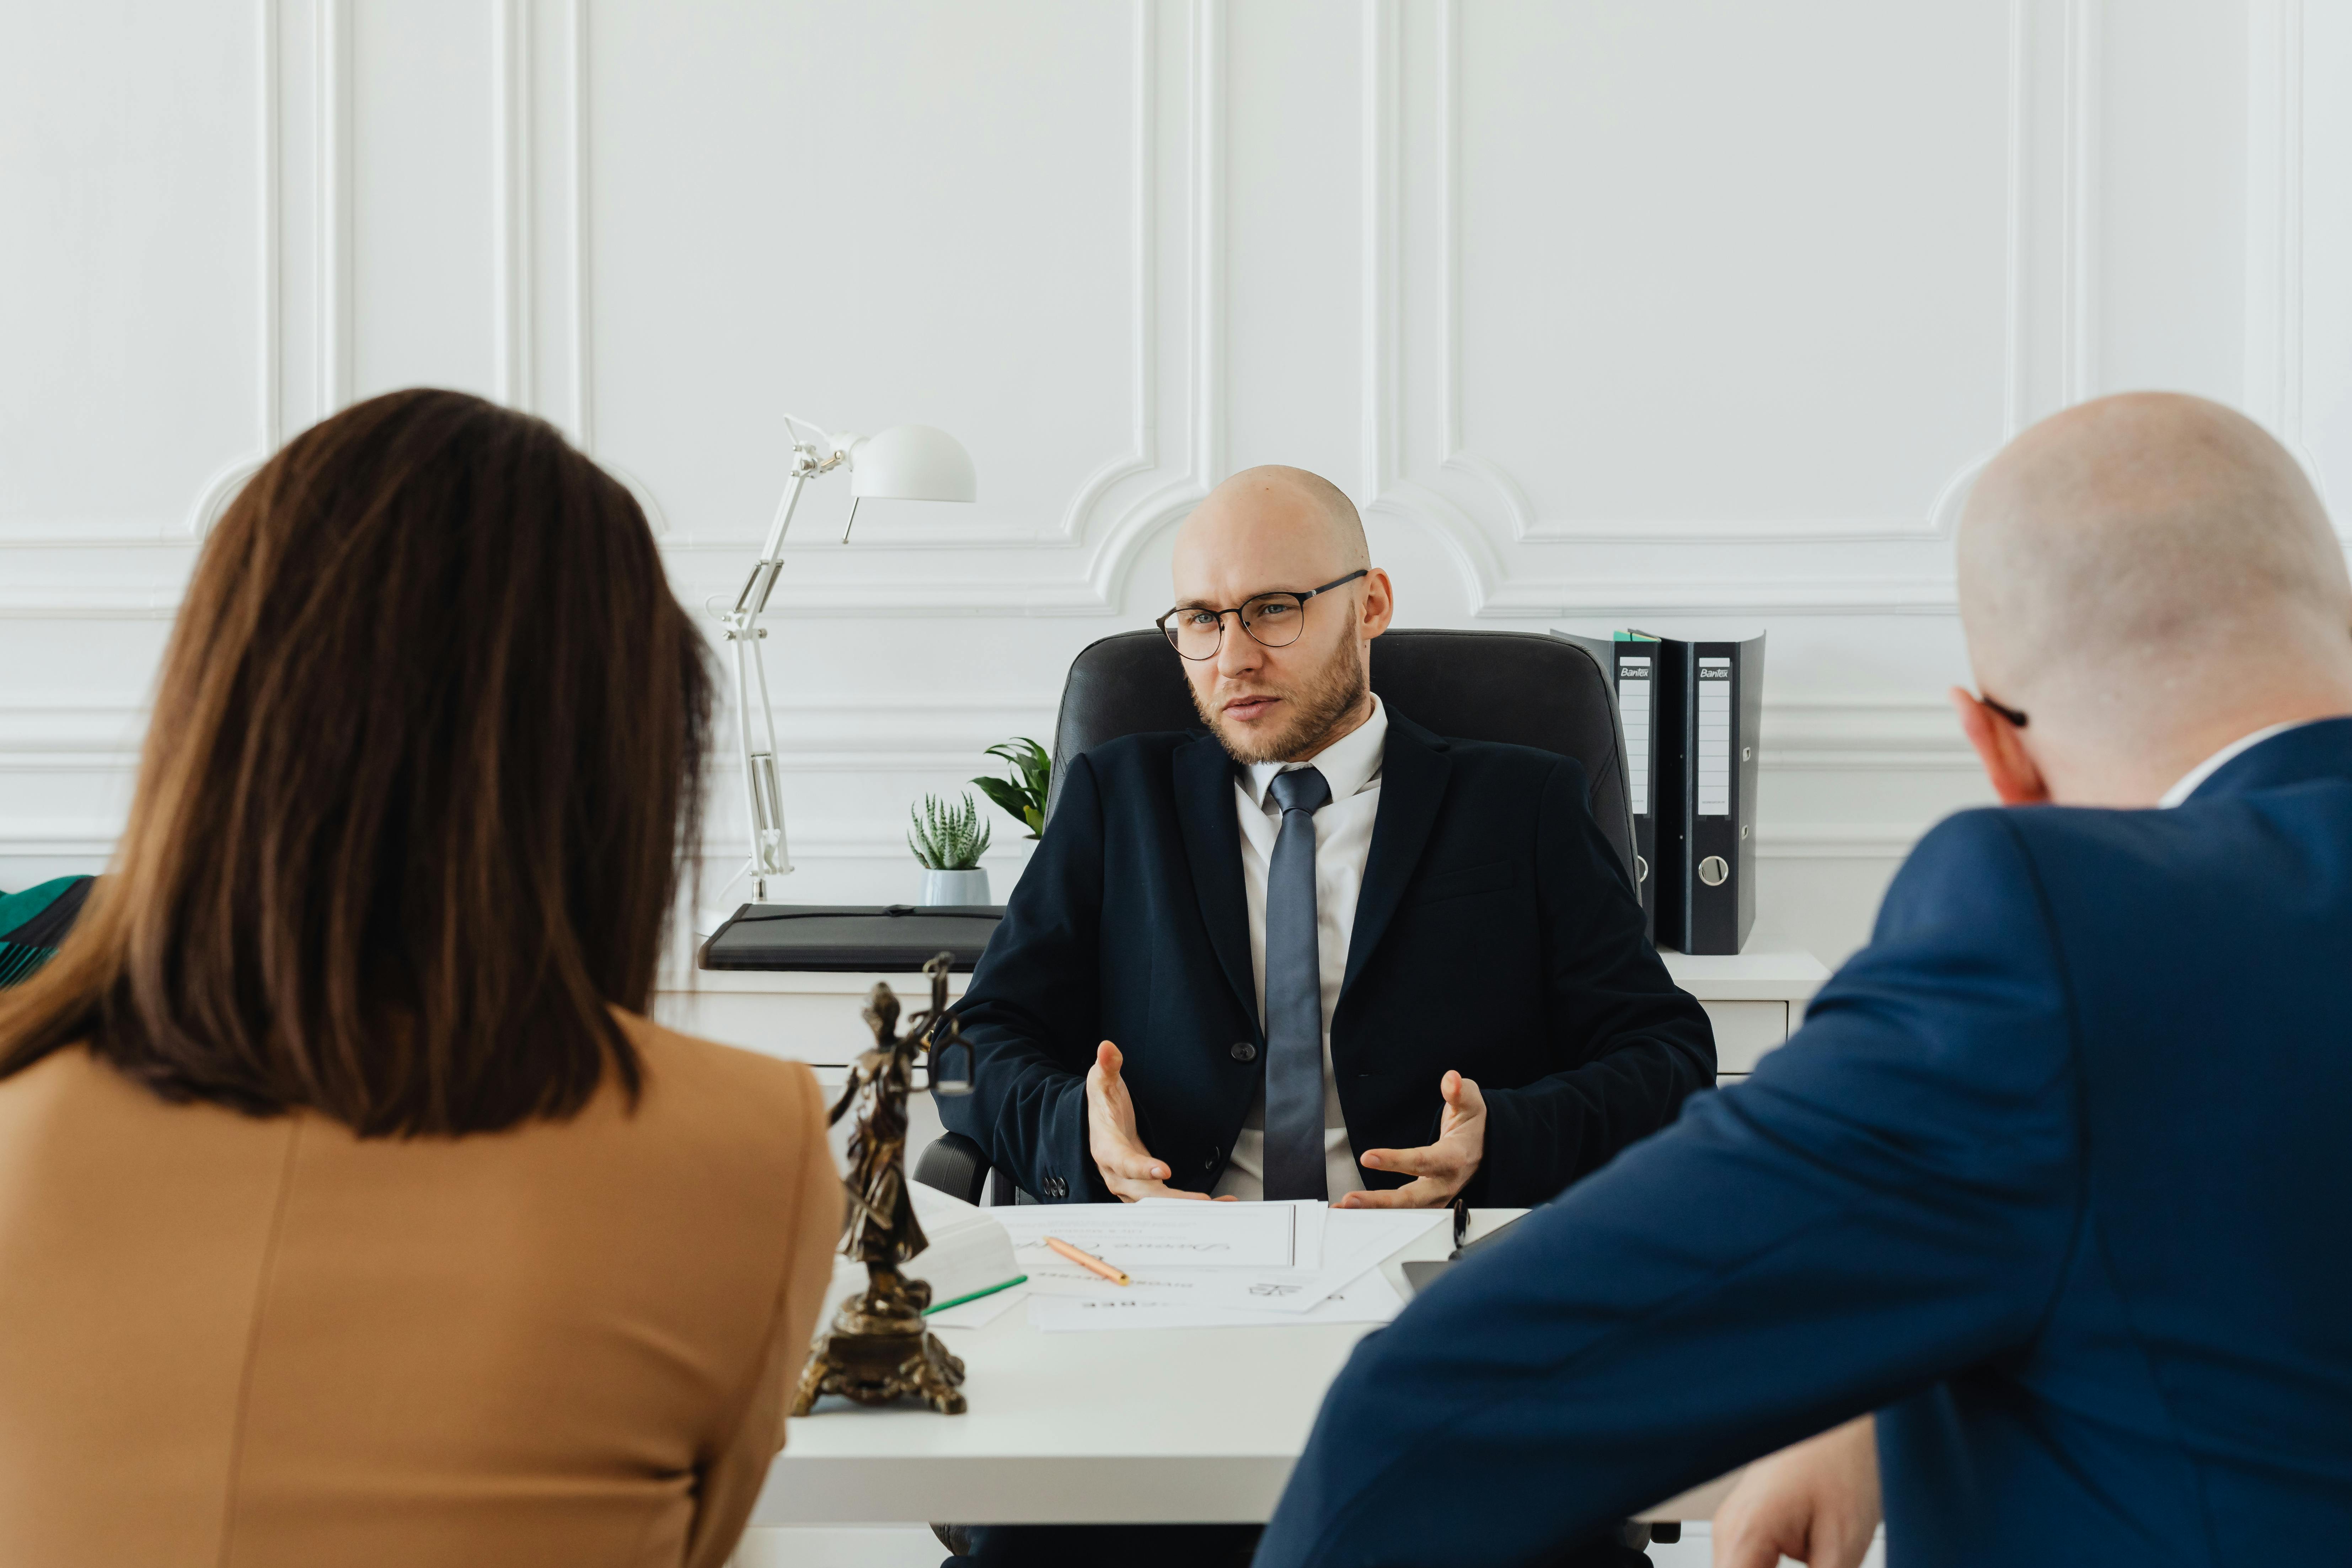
(1121, 505)
(581, 377)
(1092, 514)
(331, 247)
(819, 840)
(1143, 214)
(949, 733)
(2079, 173)
(1533, 597)
(1205, 409)
(1884, 841)
(212, 497)
(1527, 598)
(1106, 521)
(2065, 335)
(514, 206)
(2276, 194)
(945, 734)
(1110, 548)
(579, 173)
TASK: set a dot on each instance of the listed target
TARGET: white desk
(1194, 1425)
(1174, 1426)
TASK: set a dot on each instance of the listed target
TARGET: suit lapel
(1213, 843)
(1414, 769)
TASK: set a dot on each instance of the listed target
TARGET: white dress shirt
(2187, 782)
(1343, 836)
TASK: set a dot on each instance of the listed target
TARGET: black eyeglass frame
(2016, 720)
(1236, 611)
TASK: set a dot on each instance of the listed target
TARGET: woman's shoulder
(711, 1119)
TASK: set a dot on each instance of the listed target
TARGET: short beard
(1328, 696)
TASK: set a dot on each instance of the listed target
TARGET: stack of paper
(970, 1257)
(1191, 1264)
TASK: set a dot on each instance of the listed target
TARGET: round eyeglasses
(1273, 619)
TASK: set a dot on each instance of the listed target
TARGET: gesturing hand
(1127, 1166)
(1440, 1169)
(1817, 1502)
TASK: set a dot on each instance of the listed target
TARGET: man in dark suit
(2054, 1178)
(1315, 950)
(1312, 950)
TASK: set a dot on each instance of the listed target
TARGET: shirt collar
(1348, 763)
(2188, 781)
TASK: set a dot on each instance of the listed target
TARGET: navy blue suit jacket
(2057, 1177)
(1495, 934)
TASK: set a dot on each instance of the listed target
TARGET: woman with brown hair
(351, 1210)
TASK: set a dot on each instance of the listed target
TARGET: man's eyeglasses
(1273, 619)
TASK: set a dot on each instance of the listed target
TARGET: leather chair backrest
(1521, 688)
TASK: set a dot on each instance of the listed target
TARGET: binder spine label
(1714, 737)
(1633, 708)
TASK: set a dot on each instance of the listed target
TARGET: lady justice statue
(877, 1349)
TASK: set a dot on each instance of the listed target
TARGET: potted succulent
(950, 840)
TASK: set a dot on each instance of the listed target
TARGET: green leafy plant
(948, 837)
(1023, 794)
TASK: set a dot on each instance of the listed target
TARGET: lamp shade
(912, 462)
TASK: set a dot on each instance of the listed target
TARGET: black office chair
(1522, 688)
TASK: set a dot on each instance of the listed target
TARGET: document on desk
(1369, 1299)
(1169, 1233)
(1354, 1242)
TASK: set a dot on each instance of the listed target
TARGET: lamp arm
(764, 803)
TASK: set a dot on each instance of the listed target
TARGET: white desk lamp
(906, 462)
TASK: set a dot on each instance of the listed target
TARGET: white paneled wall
(1680, 315)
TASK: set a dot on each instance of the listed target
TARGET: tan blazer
(241, 1343)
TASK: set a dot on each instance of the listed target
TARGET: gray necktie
(1293, 996)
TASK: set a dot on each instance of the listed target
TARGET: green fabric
(17, 959)
(17, 962)
(15, 909)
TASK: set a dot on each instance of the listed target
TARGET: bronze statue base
(878, 1351)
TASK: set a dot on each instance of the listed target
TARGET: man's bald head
(1244, 513)
(2136, 568)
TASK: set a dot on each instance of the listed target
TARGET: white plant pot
(955, 888)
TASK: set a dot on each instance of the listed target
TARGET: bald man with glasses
(1312, 950)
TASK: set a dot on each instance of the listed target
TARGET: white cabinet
(1754, 998)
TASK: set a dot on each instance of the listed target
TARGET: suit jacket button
(1055, 1187)
(1211, 1163)
(1244, 1051)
